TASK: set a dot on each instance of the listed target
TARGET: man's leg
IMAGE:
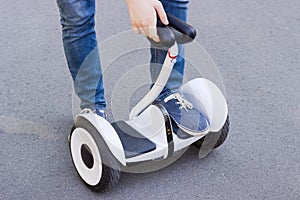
(80, 45)
(178, 8)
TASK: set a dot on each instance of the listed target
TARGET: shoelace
(184, 104)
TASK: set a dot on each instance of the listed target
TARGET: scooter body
(150, 136)
(100, 149)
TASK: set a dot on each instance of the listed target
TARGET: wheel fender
(211, 101)
(108, 134)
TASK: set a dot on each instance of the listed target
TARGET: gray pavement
(256, 45)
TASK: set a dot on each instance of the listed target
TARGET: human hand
(143, 16)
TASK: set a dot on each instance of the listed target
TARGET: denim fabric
(81, 51)
(80, 45)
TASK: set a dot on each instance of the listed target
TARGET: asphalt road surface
(255, 44)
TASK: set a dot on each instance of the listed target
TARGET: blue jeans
(81, 50)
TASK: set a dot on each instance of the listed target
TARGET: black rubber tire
(214, 139)
(110, 166)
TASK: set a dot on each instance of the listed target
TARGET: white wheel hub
(90, 173)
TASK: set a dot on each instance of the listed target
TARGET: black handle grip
(182, 31)
(177, 30)
(166, 36)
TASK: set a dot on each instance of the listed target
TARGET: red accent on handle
(170, 56)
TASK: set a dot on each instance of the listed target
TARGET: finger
(152, 33)
(143, 31)
(151, 29)
(161, 12)
(136, 30)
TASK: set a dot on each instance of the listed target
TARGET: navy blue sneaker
(185, 112)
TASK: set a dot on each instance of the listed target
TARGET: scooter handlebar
(176, 31)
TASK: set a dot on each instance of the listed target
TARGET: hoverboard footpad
(134, 143)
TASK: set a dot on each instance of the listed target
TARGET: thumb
(161, 12)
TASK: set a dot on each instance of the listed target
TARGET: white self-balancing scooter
(101, 150)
